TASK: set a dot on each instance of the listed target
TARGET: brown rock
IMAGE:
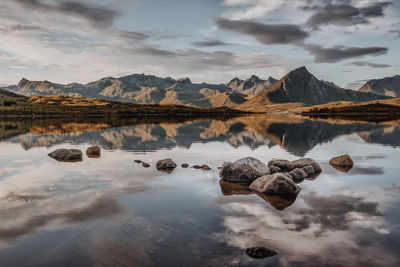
(300, 163)
(166, 165)
(276, 183)
(93, 152)
(244, 170)
(184, 165)
(298, 175)
(279, 202)
(343, 163)
(228, 188)
(205, 168)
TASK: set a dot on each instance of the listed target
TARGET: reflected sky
(112, 211)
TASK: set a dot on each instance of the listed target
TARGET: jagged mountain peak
(184, 80)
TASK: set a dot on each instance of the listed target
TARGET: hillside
(141, 88)
(12, 104)
(299, 87)
(389, 86)
(376, 111)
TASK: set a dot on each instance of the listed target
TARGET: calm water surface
(113, 212)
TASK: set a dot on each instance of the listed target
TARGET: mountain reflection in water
(111, 211)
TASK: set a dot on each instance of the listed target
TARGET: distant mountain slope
(141, 88)
(300, 86)
(389, 86)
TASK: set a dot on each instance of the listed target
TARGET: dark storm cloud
(368, 64)
(266, 33)
(96, 15)
(340, 53)
(342, 13)
(210, 43)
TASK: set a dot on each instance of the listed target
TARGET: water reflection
(111, 211)
(296, 135)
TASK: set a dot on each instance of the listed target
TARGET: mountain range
(298, 87)
(389, 86)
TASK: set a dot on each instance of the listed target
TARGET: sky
(63, 41)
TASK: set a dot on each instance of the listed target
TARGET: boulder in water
(166, 165)
(244, 170)
(343, 163)
(93, 152)
(277, 183)
(66, 155)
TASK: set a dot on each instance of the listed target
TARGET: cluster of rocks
(278, 177)
(168, 165)
(74, 155)
(144, 164)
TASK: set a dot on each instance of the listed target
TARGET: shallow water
(111, 211)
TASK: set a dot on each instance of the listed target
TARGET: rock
(205, 168)
(146, 165)
(300, 163)
(93, 152)
(280, 163)
(184, 165)
(274, 169)
(309, 170)
(243, 170)
(166, 165)
(137, 161)
(196, 166)
(260, 252)
(298, 175)
(343, 163)
(279, 202)
(228, 188)
(66, 155)
(277, 183)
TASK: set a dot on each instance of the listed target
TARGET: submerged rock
(166, 165)
(277, 183)
(66, 155)
(243, 170)
(260, 252)
(138, 161)
(343, 163)
(184, 165)
(93, 152)
(279, 201)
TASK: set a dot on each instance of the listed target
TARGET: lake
(111, 211)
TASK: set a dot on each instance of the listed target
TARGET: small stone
(343, 163)
(93, 152)
(138, 161)
(205, 168)
(146, 165)
(184, 165)
(260, 252)
(196, 167)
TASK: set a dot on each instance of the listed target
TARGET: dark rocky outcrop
(244, 170)
(146, 165)
(343, 163)
(184, 165)
(93, 152)
(166, 165)
(260, 252)
(138, 161)
(298, 175)
(300, 163)
(66, 155)
(277, 183)
(389, 86)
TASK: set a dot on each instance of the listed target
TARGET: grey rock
(146, 165)
(276, 183)
(300, 163)
(166, 165)
(298, 175)
(244, 170)
(138, 161)
(274, 169)
(280, 163)
(184, 165)
(260, 252)
(66, 155)
(309, 170)
(196, 166)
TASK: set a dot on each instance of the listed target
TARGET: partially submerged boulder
(279, 201)
(146, 165)
(282, 164)
(228, 188)
(205, 167)
(244, 170)
(166, 165)
(185, 165)
(277, 183)
(138, 161)
(93, 152)
(343, 163)
(66, 155)
(260, 252)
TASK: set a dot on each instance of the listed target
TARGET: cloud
(251, 9)
(396, 32)
(210, 43)
(368, 64)
(96, 15)
(342, 13)
(265, 33)
(340, 53)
